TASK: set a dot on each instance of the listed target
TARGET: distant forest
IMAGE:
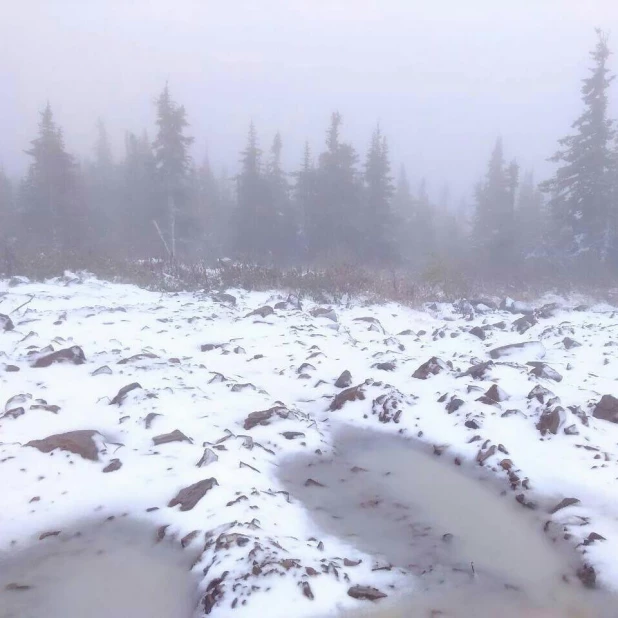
(337, 207)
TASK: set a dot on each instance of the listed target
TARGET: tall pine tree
(580, 193)
(173, 164)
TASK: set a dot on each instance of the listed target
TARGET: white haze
(444, 78)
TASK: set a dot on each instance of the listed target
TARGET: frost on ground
(177, 409)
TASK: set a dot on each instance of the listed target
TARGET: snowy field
(186, 404)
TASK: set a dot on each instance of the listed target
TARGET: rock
(521, 498)
(569, 343)
(563, 504)
(571, 430)
(550, 421)
(324, 312)
(353, 393)
(521, 325)
(262, 312)
(6, 324)
(432, 367)
(113, 465)
(292, 435)
(587, 575)
(209, 347)
(482, 456)
(136, 358)
(388, 366)
(101, 371)
(174, 436)
(17, 401)
(74, 355)
(207, 458)
(123, 392)
(607, 409)
(344, 380)
(478, 371)
(472, 424)
(365, 593)
(374, 324)
(495, 393)
(519, 350)
(541, 394)
(263, 417)
(224, 299)
(388, 407)
(80, 442)
(454, 404)
(541, 370)
(11, 368)
(477, 331)
(191, 495)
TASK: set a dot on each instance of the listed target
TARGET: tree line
(336, 207)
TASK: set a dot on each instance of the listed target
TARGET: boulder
(353, 393)
(74, 355)
(123, 392)
(80, 442)
(477, 331)
(263, 417)
(344, 380)
(550, 421)
(365, 593)
(521, 325)
(569, 343)
(432, 367)
(607, 409)
(524, 350)
(188, 497)
(6, 324)
(324, 312)
(261, 312)
(541, 370)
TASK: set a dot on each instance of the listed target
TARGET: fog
(444, 78)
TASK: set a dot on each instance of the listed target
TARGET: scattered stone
(262, 312)
(188, 497)
(344, 380)
(313, 483)
(209, 347)
(551, 420)
(74, 355)
(6, 324)
(519, 350)
(324, 312)
(432, 367)
(46, 535)
(292, 435)
(569, 343)
(224, 299)
(353, 393)
(149, 418)
(563, 504)
(365, 593)
(607, 409)
(587, 575)
(136, 358)
(388, 366)
(113, 465)
(477, 331)
(105, 370)
(123, 392)
(174, 436)
(541, 370)
(306, 588)
(374, 324)
(454, 404)
(263, 417)
(80, 442)
(495, 393)
(478, 371)
(521, 498)
(483, 455)
(17, 587)
(541, 394)
(207, 458)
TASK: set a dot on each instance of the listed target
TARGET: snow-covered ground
(226, 386)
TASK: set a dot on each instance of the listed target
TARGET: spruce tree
(173, 164)
(377, 231)
(493, 240)
(305, 197)
(580, 192)
(530, 219)
(52, 209)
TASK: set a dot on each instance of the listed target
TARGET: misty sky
(443, 77)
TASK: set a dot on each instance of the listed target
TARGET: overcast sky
(443, 77)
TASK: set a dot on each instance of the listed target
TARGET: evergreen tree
(173, 164)
(51, 203)
(495, 213)
(377, 224)
(337, 216)
(305, 198)
(530, 218)
(279, 205)
(580, 193)
(252, 218)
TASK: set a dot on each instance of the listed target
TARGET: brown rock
(74, 355)
(123, 392)
(563, 504)
(113, 465)
(550, 421)
(80, 442)
(607, 409)
(353, 393)
(261, 312)
(432, 367)
(587, 575)
(365, 593)
(482, 456)
(306, 588)
(263, 417)
(569, 343)
(190, 496)
(174, 436)
(6, 324)
(477, 331)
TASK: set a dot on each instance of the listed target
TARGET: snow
(257, 364)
